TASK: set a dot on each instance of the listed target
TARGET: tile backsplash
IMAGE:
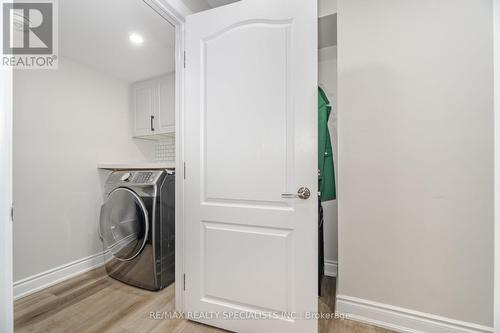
(165, 151)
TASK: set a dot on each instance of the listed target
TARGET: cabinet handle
(152, 126)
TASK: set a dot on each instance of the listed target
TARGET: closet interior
(327, 83)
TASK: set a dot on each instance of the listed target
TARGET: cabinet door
(166, 104)
(143, 105)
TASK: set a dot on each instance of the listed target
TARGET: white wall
(415, 99)
(65, 122)
(497, 160)
(327, 77)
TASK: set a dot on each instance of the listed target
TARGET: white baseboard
(53, 276)
(401, 319)
(331, 268)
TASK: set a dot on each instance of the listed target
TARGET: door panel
(225, 241)
(250, 136)
(259, 119)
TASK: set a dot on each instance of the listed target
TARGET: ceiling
(96, 33)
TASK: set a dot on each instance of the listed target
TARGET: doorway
(71, 121)
(327, 90)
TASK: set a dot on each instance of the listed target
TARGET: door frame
(175, 12)
(6, 255)
(6, 250)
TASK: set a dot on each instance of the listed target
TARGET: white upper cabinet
(166, 100)
(143, 100)
(153, 107)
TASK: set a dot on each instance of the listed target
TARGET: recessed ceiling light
(136, 39)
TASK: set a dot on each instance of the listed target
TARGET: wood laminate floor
(93, 302)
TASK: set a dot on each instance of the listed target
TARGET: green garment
(326, 173)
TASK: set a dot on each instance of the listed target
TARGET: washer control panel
(146, 177)
(143, 177)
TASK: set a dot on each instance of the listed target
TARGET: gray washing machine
(137, 227)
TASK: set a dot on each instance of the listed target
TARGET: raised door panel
(253, 152)
(245, 283)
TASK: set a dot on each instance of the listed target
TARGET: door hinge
(12, 213)
(184, 59)
(184, 282)
(184, 173)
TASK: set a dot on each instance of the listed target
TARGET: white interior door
(251, 136)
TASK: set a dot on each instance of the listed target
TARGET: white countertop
(136, 166)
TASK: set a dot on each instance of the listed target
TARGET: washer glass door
(124, 224)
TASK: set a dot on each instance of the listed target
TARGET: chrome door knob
(303, 193)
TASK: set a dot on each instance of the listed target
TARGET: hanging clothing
(321, 247)
(326, 173)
